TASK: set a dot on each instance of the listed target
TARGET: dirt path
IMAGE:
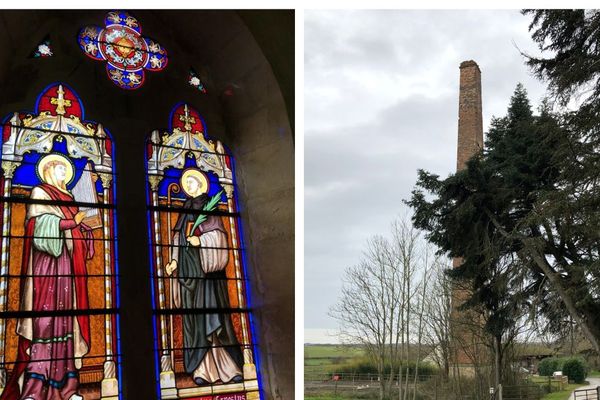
(593, 382)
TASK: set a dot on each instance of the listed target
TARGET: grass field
(563, 394)
(323, 358)
(332, 350)
(325, 398)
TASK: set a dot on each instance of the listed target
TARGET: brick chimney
(464, 332)
(470, 121)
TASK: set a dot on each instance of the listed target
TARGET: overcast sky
(381, 101)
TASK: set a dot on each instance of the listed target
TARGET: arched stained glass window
(58, 269)
(204, 342)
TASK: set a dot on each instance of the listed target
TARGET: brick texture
(470, 121)
(464, 328)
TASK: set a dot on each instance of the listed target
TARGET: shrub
(575, 369)
(549, 365)
(365, 366)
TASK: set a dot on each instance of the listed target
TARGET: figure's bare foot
(199, 381)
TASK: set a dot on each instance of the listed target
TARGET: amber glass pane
(204, 344)
(58, 270)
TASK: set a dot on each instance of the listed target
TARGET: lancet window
(204, 343)
(59, 335)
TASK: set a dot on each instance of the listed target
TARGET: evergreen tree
(519, 218)
(572, 37)
(570, 42)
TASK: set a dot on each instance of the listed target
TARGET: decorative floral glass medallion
(194, 80)
(44, 49)
(126, 52)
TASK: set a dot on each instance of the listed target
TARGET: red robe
(81, 251)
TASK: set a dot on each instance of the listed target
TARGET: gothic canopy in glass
(204, 343)
(58, 270)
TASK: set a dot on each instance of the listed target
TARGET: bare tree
(368, 305)
(437, 321)
(428, 268)
(407, 243)
(375, 306)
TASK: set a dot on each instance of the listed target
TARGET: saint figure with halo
(55, 249)
(200, 256)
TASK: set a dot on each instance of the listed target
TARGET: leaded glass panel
(204, 343)
(58, 269)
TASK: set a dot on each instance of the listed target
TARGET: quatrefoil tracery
(126, 52)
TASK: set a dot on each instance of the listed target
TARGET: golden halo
(55, 157)
(199, 176)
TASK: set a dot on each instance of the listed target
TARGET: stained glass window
(44, 49)
(194, 81)
(204, 343)
(58, 269)
(127, 53)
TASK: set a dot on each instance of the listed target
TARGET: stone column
(10, 161)
(110, 384)
(9, 169)
(249, 366)
(168, 388)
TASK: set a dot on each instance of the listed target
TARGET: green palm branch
(210, 206)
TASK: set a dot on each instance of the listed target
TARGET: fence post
(499, 391)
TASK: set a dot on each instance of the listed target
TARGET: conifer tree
(518, 215)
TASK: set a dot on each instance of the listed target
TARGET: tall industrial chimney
(465, 336)
(470, 120)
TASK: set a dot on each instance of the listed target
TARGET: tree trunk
(408, 307)
(420, 329)
(590, 328)
(497, 361)
(589, 325)
(446, 370)
(381, 381)
(400, 383)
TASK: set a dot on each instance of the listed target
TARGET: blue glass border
(247, 289)
(60, 147)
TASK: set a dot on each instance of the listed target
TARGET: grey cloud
(363, 144)
(371, 168)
